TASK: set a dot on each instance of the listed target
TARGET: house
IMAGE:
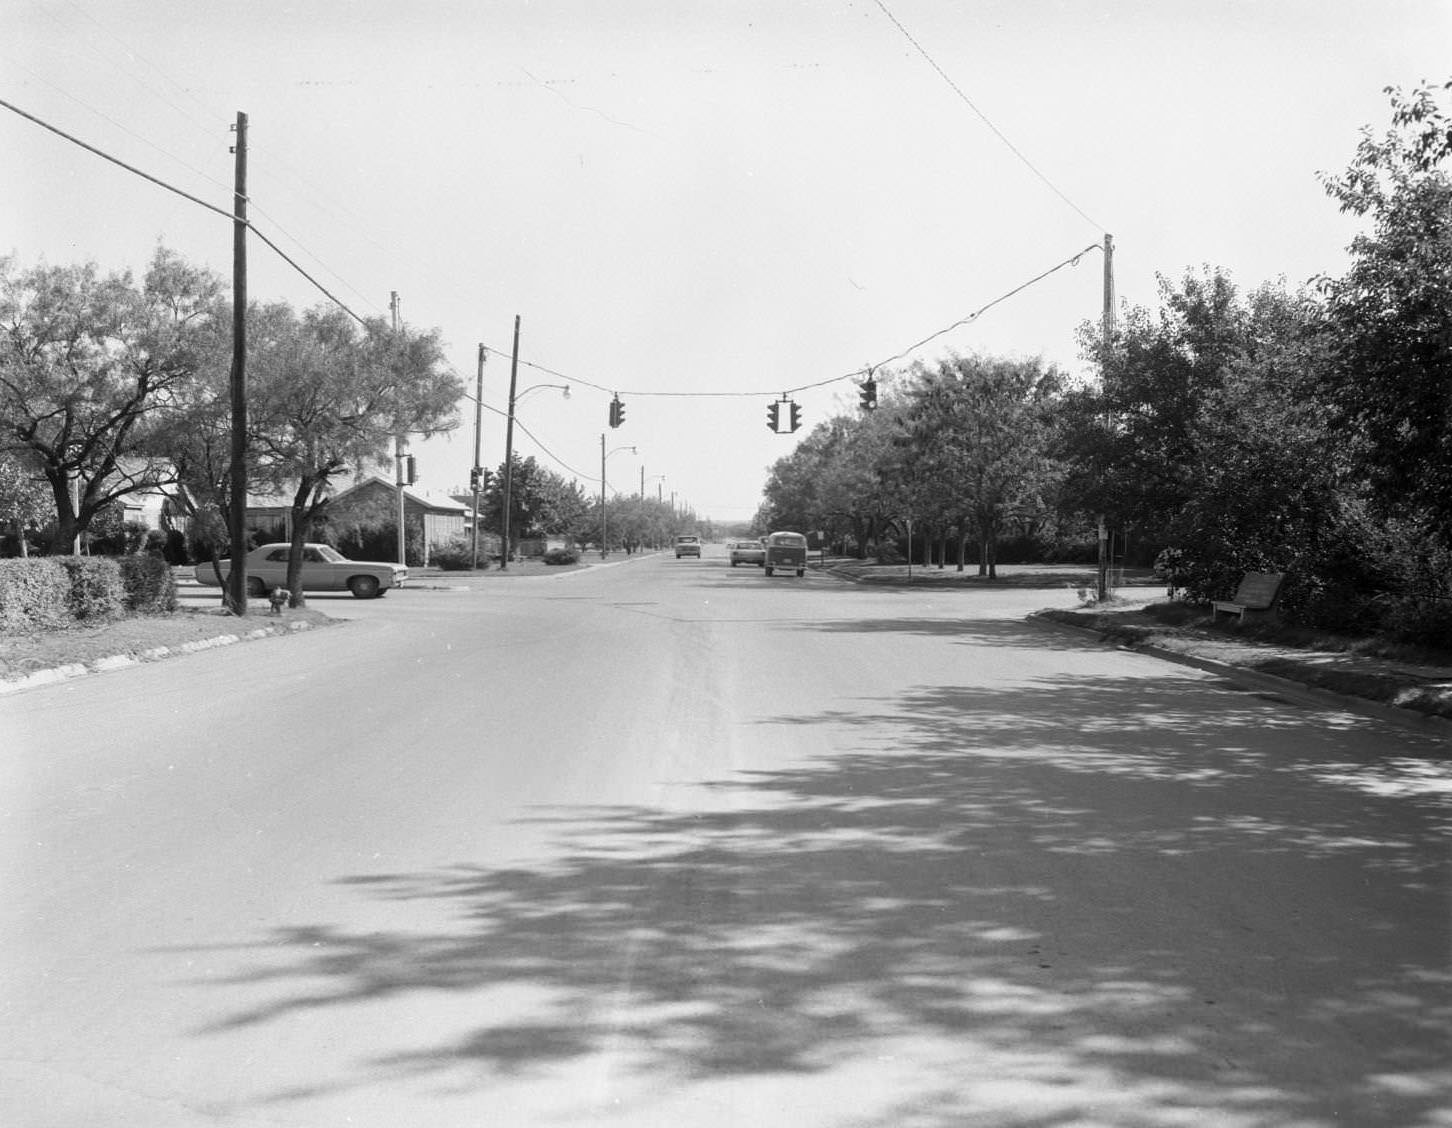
(374, 501)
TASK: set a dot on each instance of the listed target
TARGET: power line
(187, 196)
(984, 117)
(1072, 260)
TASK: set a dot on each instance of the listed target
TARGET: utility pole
(398, 451)
(1108, 332)
(509, 447)
(237, 513)
(602, 495)
(477, 474)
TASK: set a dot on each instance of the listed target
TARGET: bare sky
(725, 199)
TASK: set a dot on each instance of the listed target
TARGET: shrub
(148, 584)
(34, 595)
(457, 556)
(562, 556)
(96, 591)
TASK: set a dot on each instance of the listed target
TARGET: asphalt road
(671, 843)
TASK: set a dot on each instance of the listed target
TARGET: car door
(320, 574)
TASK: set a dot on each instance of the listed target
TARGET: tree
(89, 367)
(542, 502)
(24, 502)
(1390, 316)
(327, 396)
(975, 433)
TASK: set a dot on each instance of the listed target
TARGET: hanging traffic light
(796, 415)
(869, 394)
(773, 416)
(617, 412)
(412, 469)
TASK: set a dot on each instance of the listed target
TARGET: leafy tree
(541, 502)
(1390, 316)
(24, 502)
(975, 433)
(89, 367)
(327, 396)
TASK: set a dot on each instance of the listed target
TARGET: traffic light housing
(773, 416)
(412, 464)
(617, 412)
(796, 415)
(869, 394)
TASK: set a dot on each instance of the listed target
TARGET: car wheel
(363, 587)
(255, 587)
(768, 571)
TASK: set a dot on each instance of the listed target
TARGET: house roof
(430, 499)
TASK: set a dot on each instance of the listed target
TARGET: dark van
(787, 552)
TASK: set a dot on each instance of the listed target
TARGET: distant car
(324, 568)
(688, 546)
(747, 552)
(787, 552)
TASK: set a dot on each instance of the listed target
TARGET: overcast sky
(702, 205)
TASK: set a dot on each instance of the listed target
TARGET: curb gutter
(1300, 692)
(124, 661)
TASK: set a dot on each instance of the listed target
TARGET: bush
(457, 556)
(149, 586)
(96, 591)
(34, 595)
(562, 556)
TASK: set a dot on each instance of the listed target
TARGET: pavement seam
(124, 661)
(1424, 723)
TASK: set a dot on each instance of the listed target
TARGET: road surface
(673, 844)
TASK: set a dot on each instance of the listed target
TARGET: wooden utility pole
(476, 475)
(1108, 331)
(509, 447)
(237, 512)
(398, 451)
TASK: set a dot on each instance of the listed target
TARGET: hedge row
(48, 592)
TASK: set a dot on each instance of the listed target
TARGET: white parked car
(324, 568)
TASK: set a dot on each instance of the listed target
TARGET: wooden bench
(1258, 591)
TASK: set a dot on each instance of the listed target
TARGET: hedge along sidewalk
(44, 592)
(53, 656)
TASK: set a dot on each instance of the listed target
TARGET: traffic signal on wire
(617, 412)
(796, 415)
(773, 416)
(869, 394)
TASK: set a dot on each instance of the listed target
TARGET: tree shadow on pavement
(1055, 893)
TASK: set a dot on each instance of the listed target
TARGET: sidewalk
(1406, 693)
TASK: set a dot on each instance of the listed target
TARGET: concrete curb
(124, 661)
(1300, 692)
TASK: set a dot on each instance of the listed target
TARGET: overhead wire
(188, 196)
(984, 117)
(1072, 260)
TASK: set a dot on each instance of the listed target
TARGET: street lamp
(603, 457)
(652, 478)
